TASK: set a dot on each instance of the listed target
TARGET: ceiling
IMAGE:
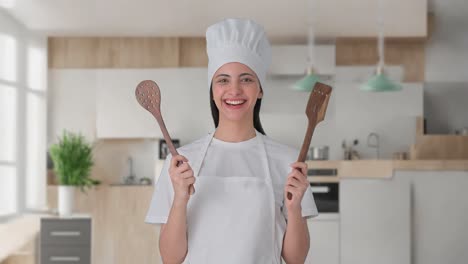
(331, 18)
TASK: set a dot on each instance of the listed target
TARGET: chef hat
(238, 40)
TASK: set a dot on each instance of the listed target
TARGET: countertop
(380, 168)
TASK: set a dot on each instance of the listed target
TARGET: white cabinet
(439, 215)
(324, 239)
(375, 221)
(120, 116)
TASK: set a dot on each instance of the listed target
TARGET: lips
(234, 103)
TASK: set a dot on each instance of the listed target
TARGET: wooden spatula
(149, 96)
(315, 111)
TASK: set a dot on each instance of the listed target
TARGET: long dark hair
(256, 120)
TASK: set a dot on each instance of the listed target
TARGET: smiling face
(235, 91)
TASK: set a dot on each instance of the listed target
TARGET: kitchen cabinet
(65, 240)
(439, 215)
(375, 221)
(120, 116)
(324, 239)
(119, 234)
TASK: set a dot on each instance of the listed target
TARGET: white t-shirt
(224, 159)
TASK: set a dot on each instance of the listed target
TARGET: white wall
(351, 114)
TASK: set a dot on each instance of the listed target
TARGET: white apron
(232, 219)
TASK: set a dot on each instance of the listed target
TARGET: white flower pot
(66, 200)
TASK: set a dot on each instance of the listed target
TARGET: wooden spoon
(149, 96)
(315, 111)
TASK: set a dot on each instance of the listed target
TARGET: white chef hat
(238, 40)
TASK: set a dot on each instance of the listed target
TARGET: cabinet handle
(64, 258)
(320, 189)
(65, 233)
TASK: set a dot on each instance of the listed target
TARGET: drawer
(65, 231)
(65, 255)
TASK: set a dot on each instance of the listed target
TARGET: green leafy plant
(73, 160)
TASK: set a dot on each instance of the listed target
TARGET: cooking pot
(318, 153)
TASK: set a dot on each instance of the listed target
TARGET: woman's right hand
(181, 178)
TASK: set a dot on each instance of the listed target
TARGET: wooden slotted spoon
(315, 112)
(149, 96)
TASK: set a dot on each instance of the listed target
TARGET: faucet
(130, 179)
(375, 145)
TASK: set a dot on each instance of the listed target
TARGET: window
(23, 98)
(8, 129)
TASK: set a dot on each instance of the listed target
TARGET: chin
(235, 117)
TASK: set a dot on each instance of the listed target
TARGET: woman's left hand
(297, 185)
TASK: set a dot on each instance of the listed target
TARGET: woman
(239, 212)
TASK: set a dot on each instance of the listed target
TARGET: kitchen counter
(380, 168)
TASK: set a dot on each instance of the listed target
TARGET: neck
(234, 131)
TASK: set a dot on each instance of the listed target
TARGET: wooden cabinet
(324, 239)
(375, 221)
(126, 52)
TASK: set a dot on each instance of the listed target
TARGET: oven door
(326, 196)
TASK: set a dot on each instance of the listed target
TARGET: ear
(260, 95)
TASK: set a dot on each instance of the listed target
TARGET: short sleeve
(309, 208)
(163, 195)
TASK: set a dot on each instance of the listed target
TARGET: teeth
(235, 102)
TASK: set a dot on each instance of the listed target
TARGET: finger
(301, 166)
(298, 175)
(175, 159)
(290, 189)
(186, 174)
(294, 182)
(183, 168)
(301, 177)
(190, 180)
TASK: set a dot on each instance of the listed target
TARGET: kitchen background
(79, 74)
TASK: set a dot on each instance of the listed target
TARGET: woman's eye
(222, 80)
(247, 80)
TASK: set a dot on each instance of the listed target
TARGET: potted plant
(73, 160)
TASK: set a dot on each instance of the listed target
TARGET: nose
(235, 88)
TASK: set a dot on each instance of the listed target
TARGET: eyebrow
(227, 75)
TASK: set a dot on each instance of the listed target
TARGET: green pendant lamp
(380, 82)
(307, 83)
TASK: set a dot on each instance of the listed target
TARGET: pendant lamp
(307, 83)
(380, 82)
